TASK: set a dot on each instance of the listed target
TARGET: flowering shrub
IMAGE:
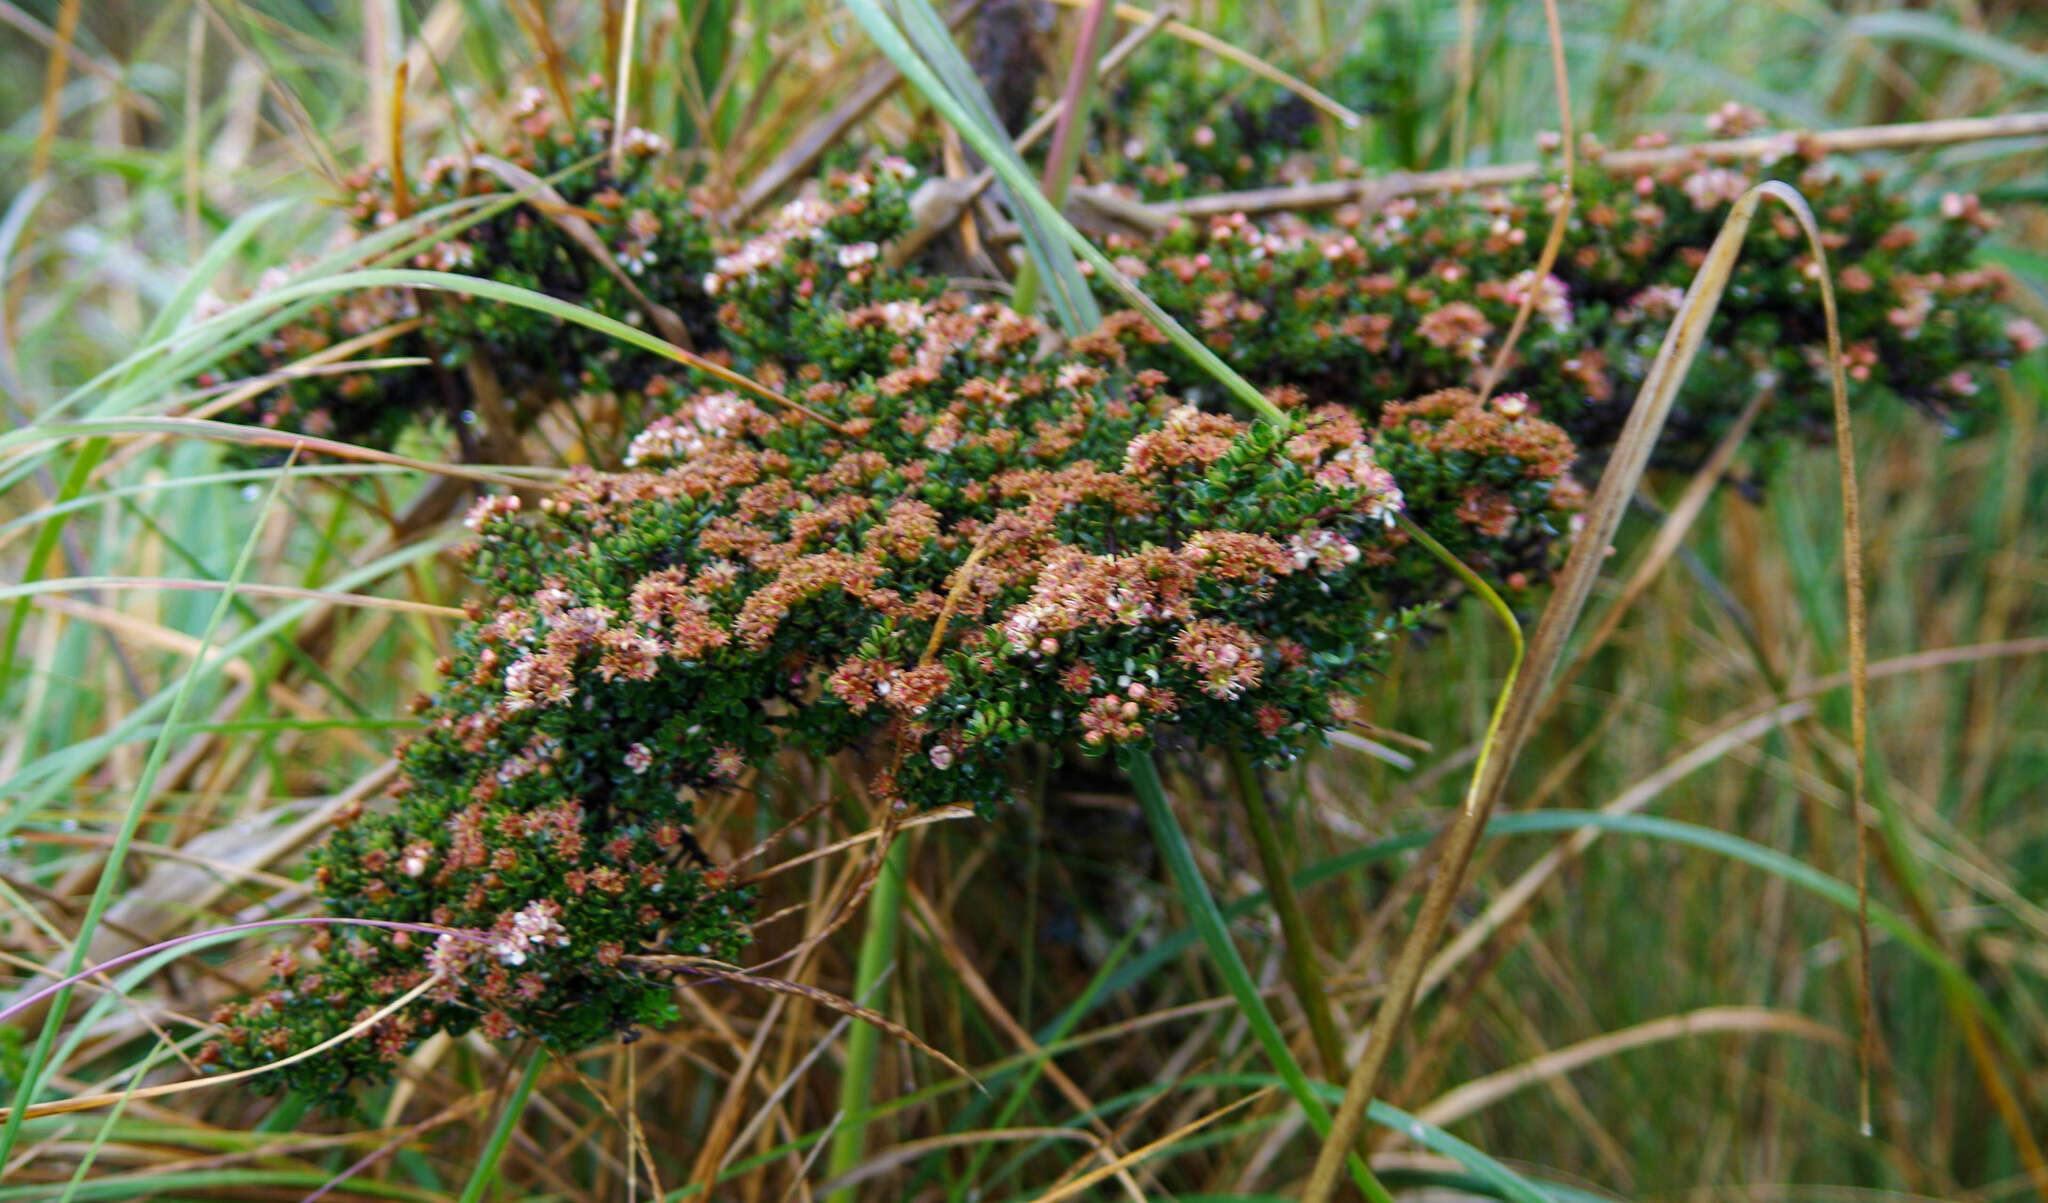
(756, 302)
(1419, 295)
(965, 539)
(655, 234)
(818, 258)
(1005, 547)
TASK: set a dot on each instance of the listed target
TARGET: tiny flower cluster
(1418, 295)
(818, 258)
(1010, 545)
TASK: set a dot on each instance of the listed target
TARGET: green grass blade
(111, 870)
(1215, 937)
(486, 1173)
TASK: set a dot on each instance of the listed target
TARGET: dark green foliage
(758, 311)
(973, 541)
(655, 234)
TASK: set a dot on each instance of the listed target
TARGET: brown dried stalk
(825, 133)
(1374, 190)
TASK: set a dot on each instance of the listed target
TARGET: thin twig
(1330, 194)
(1559, 223)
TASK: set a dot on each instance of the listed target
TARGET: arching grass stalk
(1303, 974)
(1443, 888)
(856, 1081)
(1208, 923)
(1519, 708)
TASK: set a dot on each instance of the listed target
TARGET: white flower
(644, 143)
(534, 925)
(1553, 297)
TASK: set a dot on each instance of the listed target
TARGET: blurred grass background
(175, 118)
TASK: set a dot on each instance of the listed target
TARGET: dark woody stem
(1303, 974)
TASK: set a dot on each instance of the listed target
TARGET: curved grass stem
(1436, 904)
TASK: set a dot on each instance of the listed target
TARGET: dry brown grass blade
(1523, 703)
(911, 1151)
(211, 866)
(962, 578)
(944, 814)
(53, 85)
(1670, 535)
(255, 386)
(715, 1146)
(1462, 70)
(11, 14)
(308, 137)
(1859, 652)
(46, 134)
(533, 22)
(92, 1102)
(1330, 194)
(628, 38)
(1480, 1093)
(824, 998)
(360, 600)
(941, 935)
(297, 371)
(1137, 1155)
(806, 149)
(401, 192)
(174, 891)
(1131, 14)
(790, 1078)
(141, 631)
(556, 209)
(254, 436)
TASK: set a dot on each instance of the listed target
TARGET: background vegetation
(1665, 1013)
